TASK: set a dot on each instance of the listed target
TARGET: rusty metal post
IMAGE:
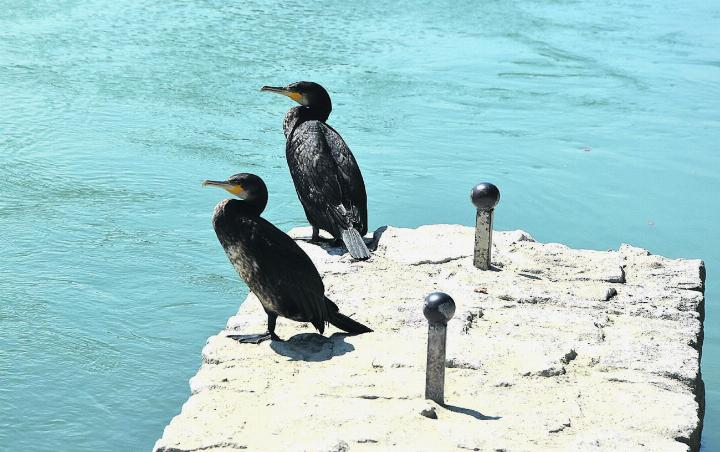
(485, 197)
(438, 309)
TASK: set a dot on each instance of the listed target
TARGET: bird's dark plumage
(274, 267)
(327, 177)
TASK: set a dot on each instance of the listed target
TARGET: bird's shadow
(470, 412)
(373, 243)
(312, 347)
(338, 250)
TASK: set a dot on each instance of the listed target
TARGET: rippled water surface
(598, 120)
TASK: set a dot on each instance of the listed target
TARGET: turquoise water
(599, 123)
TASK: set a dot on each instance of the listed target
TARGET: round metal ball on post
(439, 308)
(485, 197)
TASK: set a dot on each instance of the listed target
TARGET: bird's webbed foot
(254, 338)
(320, 240)
(317, 239)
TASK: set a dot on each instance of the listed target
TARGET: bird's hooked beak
(294, 95)
(233, 187)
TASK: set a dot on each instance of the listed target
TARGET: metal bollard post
(439, 308)
(485, 196)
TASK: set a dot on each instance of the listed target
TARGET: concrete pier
(555, 349)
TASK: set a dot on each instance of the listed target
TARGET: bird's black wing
(354, 185)
(288, 273)
(327, 178)
(317, 180)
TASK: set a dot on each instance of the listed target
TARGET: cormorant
(274, 267)
(326, 176)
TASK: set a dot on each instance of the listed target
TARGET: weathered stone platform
(554, 349)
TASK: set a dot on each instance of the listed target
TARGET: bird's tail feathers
(355, 244)
(344, 322)
(349, 325)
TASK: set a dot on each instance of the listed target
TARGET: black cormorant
(274, 267)
(327, 177)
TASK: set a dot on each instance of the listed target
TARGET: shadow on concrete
(312, 347)
(373, 243)
(333, 249)
(470, 412)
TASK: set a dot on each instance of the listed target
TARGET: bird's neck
(292, 120)
(297, 115)
(250, 208)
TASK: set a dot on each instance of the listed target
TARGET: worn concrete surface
(553, 349)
